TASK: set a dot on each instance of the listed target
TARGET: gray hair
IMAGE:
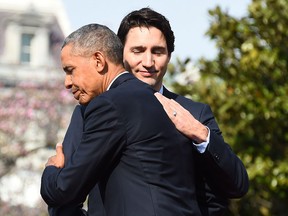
(95, 37)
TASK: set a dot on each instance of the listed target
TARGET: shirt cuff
(201, 147)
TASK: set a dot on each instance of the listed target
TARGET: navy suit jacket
(217, 179)
(220, 174)
(129, 146)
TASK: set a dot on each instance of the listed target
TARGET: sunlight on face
(146, 55)
(81, 75)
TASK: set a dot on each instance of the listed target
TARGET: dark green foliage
(246, 86)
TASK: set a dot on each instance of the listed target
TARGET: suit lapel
(169, 94)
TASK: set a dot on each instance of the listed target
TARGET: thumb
(59, 148)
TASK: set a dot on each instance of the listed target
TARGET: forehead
(66, 50)
(67, 57)
(145, 36)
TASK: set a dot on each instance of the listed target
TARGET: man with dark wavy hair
(148, 42)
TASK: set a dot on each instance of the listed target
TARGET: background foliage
(45, 108)
(33, 117)
(246, 86)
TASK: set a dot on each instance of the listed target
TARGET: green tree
(246, 86)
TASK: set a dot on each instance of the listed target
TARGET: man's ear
(100, 61)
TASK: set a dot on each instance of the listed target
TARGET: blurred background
(231, 55)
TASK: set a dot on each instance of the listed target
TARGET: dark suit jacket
(220, 174)
(212, 195)
(71, 141)
(143, 165)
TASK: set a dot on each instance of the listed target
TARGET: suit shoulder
(184, 101)
(132, 88)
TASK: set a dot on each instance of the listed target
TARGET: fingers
(59, 148)
(50, 161)
(57, 160)
(165, 103)
(58, 144)
(162, 99)
(170, 106)
(175, 103)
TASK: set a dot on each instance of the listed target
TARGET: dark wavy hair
(147, 17)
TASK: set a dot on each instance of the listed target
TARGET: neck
(157, 87)
(110, 75)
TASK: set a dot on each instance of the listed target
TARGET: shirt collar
(161, 90)
(115, 79)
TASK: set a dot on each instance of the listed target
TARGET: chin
(83, 102)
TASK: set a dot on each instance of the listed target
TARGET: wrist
(202, 135)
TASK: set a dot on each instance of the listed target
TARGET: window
(25, 55)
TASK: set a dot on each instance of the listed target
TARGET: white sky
(189, 19)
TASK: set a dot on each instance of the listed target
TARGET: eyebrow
(158, 47)
(137, 47)
(144, 47)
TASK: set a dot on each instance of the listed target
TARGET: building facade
(35, 108)
(30, 39)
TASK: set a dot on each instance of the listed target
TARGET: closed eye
(159, 50)
(68, 70)
(137, 50)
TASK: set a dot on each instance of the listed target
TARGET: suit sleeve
(101, 145)
(221, 167)
(73, 134)
(71, 141)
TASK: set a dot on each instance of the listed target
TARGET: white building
(31, 35)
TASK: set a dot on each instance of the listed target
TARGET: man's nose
(148, 60)
(68, 81)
